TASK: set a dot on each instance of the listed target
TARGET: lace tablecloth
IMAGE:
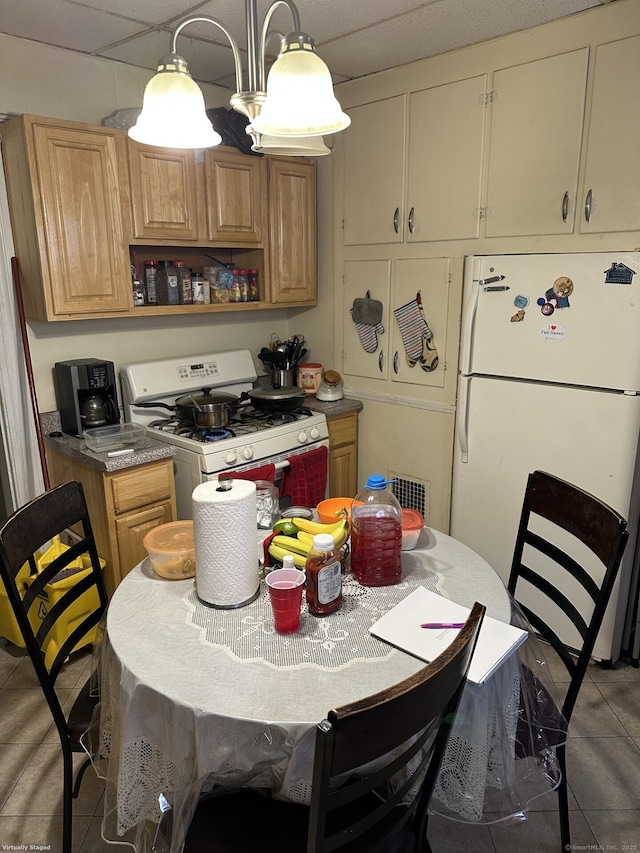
(195, 697)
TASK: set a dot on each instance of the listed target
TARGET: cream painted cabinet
(610, 198)
(405, 180)
(534, 152)
(235, 193)
(69, 216)
(292, 230)
(427, 298)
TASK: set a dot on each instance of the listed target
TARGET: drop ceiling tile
(62, 24)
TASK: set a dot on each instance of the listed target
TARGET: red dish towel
(305, 480)
(264, 472)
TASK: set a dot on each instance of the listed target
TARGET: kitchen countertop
(151, 451)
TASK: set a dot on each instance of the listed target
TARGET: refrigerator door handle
(462, 414)
(471, 289)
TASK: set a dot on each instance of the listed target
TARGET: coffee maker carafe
(86, 394)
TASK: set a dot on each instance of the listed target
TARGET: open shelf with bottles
(198, 259)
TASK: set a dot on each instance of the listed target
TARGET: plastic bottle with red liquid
(376, 534)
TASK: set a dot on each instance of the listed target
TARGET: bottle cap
(376, 481)
(287, 562)
(323, 542)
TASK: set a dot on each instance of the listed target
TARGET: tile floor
(603, 772)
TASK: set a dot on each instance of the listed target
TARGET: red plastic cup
(285, 592)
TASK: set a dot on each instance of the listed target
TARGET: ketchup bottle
(324, 576)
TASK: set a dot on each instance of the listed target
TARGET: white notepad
(401, 627)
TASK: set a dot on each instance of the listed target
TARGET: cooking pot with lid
(206, 410)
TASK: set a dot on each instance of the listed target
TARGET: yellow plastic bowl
(171, 549)
(329, 510)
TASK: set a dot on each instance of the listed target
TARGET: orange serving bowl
(329, 510)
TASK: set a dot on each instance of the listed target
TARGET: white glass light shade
(173, 110)
(300, 99)
(291, 146)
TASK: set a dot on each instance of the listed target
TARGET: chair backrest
(602, 530)
(404, 729)
(68, 592)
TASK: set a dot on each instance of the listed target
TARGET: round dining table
(194, 698)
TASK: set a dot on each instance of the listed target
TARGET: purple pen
(442, 625)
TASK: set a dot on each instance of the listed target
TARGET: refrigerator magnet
(619, 273)
(518, 317)
(553, 332)
(547, 309)
(521, 301)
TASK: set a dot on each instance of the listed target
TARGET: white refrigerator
(550, 380)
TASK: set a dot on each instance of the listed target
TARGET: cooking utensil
(270, 400)
(206, 410)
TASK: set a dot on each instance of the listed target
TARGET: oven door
(281, 463)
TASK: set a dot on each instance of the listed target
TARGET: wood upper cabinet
(235, 189)
(292, 230)
(69, 214)
(163, 193)
(405, 182)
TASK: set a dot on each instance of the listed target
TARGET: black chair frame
(604, 532)
(355, 808)
(22, 536)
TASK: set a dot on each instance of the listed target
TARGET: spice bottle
(324, 576)
(254, 289)
(184, 283)
(167, 291)
(199, 288)
(376, 534)
(138, 293)
(150, 269)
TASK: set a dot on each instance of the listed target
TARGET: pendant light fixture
(298, 101)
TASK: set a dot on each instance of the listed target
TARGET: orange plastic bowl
(329, 510)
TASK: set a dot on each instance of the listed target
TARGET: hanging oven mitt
(366, 314)
(417, 337)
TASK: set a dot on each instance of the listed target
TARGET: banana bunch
(298, 546)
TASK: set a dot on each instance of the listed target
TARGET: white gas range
(249, 440)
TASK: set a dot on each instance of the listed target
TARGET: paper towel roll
(226, 543)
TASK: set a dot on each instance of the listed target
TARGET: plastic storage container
(376, 534)
(412, 524)
(114, 437)
(171, 549)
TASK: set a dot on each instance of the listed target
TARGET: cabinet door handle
(381, 360)
(396, 219)
(587, 206)
(395, 362)
(565, 206)
(411, 217)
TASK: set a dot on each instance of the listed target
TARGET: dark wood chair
(571, 511)
(357, 809)
(78, 610)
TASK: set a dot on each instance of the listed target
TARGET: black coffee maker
(86, 394)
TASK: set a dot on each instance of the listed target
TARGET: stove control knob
(231, 457)
(248, 453)
(302, 436)
(315, 433)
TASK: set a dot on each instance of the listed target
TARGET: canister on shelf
(310, 376)
(254, 289)
(200, 289)
(167, 290)
(184, 283)
(150, 269)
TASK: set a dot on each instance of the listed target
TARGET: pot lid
(286, 392)
(195, 401)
